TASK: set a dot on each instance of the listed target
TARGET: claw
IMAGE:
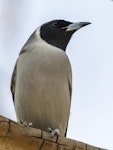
(53, 132)
(27, 124)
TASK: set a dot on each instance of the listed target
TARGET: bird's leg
(53, 131)
(26, 124)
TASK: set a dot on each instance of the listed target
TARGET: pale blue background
(90, 51)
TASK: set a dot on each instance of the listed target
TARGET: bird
(41, 82)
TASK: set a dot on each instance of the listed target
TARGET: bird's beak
(76, 26)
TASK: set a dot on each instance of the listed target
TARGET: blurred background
(90, 52)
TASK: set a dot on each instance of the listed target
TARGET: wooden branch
(14, 136)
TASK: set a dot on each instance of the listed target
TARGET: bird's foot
(26, 124)
(53, 132)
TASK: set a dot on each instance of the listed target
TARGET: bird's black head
(59, 32)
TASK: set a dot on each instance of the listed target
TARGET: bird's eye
(55, 24)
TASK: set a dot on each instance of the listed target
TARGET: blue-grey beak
(76, 26)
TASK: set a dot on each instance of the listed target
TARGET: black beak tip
(83, 24)
(87, 23)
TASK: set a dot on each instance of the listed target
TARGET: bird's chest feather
(41, 63)
(43, 72)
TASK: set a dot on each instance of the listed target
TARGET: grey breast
(43, 87)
